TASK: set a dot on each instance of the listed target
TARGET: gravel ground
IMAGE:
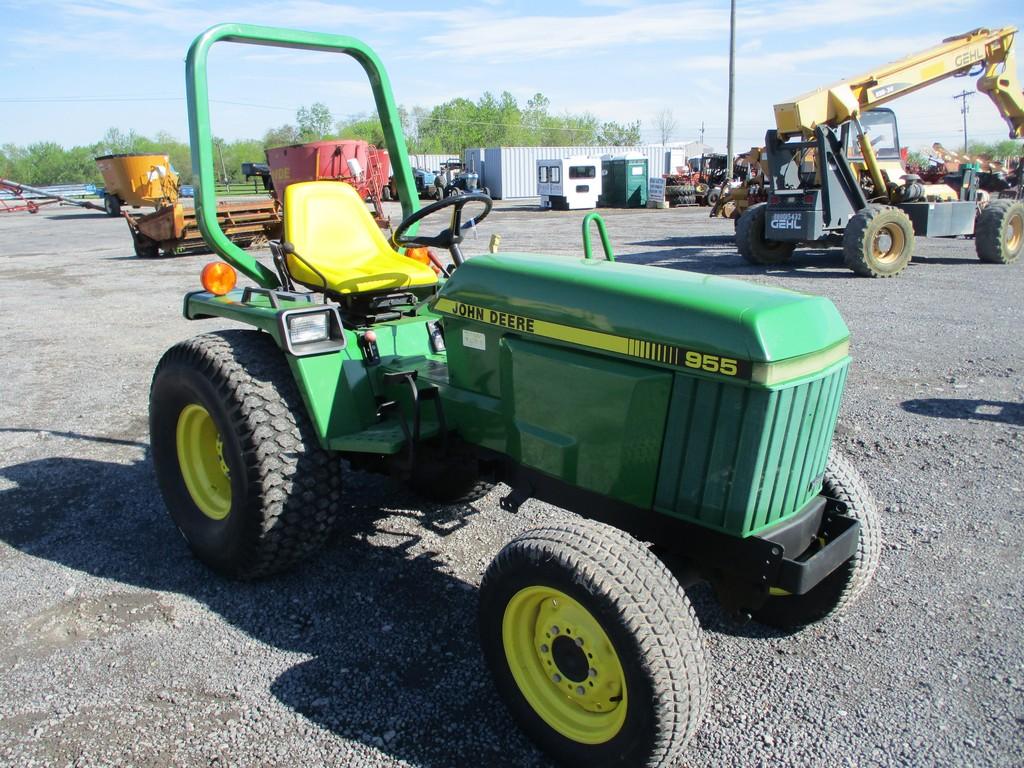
(116, 648)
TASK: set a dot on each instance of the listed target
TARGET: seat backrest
(338, 241)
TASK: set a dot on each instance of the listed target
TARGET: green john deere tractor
(686, 420)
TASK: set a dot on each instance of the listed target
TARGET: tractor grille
(739, 459)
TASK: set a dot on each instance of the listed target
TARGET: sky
(72, 69)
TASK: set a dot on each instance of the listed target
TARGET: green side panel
(406, 338)
(741, 459)
(712, 314)
(589, 420)
(473, 355)
(336, 390)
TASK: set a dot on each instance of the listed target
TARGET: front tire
(112, 205)
(878, 241)
(843, 586)
(753, 245)
(593, 646)
(999, 233)
(238, 463)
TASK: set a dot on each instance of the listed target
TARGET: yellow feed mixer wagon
(149, 180)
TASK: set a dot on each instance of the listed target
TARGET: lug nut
(592, 672)
(554, 630)
(543, 648)
(580, 690)
(556, 677)
(579, 642)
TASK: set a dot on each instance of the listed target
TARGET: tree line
(458, 124)
(446, 128)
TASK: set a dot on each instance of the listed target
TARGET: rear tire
(237, 460)
(112, 205)
(620, 678)
(844, 585)
(999, 233)
(385, 194)
(753, 245)
(878, 241)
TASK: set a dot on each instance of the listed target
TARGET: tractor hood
(642, 304)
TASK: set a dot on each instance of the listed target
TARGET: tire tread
(297, 484)
(652, 605)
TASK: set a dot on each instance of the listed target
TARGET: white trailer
(569, 184)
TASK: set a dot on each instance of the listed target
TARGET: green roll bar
(201, 138)
(587, 252)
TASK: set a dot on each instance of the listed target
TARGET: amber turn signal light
(218, 278)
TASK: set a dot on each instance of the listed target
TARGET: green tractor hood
(662, 315)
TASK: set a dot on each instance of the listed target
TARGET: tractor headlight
(311, 331)
(303, 329)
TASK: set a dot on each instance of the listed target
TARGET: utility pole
(963, 110)
(702, 136)
(732, 78)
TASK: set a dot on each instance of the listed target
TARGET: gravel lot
(116, 648)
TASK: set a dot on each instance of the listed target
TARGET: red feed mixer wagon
(356, 163)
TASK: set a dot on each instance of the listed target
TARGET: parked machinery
(701, 184)
(686, 419)
(747, 188)
(148, 180)
(835, 170)
(355, 162)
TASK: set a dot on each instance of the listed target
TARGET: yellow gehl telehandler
(835, 174)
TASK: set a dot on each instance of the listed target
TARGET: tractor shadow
(391, 632)
(976, 410)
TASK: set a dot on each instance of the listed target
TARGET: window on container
(637, 170)
(556, 174)
(542, 174)
(582, 172)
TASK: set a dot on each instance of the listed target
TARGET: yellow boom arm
(955, 56)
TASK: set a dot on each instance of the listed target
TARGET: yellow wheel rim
(564, 664)
(201, 457)
(888, 244)
(1014, 232)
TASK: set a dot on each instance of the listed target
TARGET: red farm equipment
(356, 163)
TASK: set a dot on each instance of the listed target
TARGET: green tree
(314, 122)
(365, 128)
(618, 135)
(282, 136)
(1003, 151)
(117, 142)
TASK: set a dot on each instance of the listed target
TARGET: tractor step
(387, 437)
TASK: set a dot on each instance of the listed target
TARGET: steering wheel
(448, 238)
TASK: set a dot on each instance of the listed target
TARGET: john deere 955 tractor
(686, 420)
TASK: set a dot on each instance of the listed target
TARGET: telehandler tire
(999, 233)
(753, 245)
(878, 241)
(593, 646)
(844, 585)
(112, 205)
(237, 460)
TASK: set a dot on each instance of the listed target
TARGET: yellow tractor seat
(338, 248)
